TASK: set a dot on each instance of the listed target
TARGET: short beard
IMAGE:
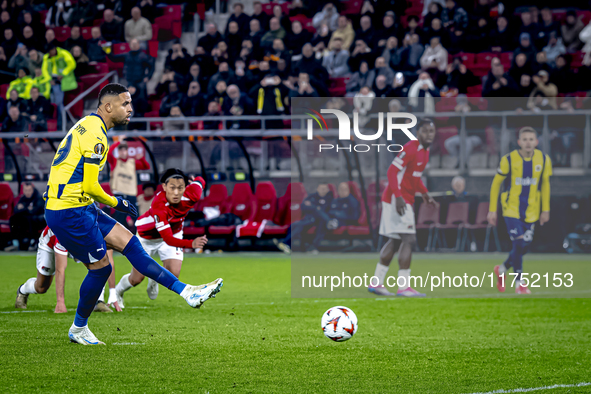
(122, 122)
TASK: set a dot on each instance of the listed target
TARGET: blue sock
(146, 266)
(90, 290)
(516, 256)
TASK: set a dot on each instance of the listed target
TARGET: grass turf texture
(254, 338)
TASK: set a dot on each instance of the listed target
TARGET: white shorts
(392, 224)
(46, 261)
(164, 250)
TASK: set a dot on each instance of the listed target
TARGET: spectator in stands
(278, 57)
(313, 207)
(452, 144)
(39, 110)
(82, 66)
(399, 87)
(94, 49)
(83, 14)
(272, 99)
(544, 88)
(321, 39)
(220, 53)
(459, 76)
(563, 76)
(388, 30)
(413, 25)
(520, 66)
(344, 31)
(58, 67)
(211, 38)
(283, 19)
(26, 19)
(59, 14)
(205, 62)
(213, 109)
(528, 25)
(173, 99)
(434, 59)
(42, 82)
(275, 31)
(501, 37)
(525, 47)
(49, 38)
(381, 68)
(224, 74)
(15, 122)
(35, 60)
(585, 37)
(138, 67)
(240, 18)
(238, 104)
(570, 30)
(542, 62)
(10, 43)
(75, 39)
(525, 88)
(28, 39)
(329, 16)
(138, 27)
(144, 200)
(421, 94)
(124, 175)
(148, 10)
(6, 22)
(391, 53)
(140, 101)
(366, 32)
(381, 88)
(111, 28)
(260, 15)
(193, 76)
(361, 53)
(27, 220)
(15, 101)
(335, 60)
(309, 65)
(411, 54)
(194, 103)
(478, 38)
(454, 16)
(432, 11)
(234, 41)
(458, 188)
(219, 94)
(498, 83)
(556, 47)
(302, 88)
(178, 59)
(436, 29)
(297, 36)
(547, 26)
(20, 59)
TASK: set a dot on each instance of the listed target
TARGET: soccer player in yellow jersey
(86, 231)
(525, 176)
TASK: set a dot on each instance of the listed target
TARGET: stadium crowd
(295, 49)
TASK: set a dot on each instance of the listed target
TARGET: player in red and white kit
(160, 230)
(398, 219)
(52, 259)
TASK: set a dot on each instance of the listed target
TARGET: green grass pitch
(254, 338)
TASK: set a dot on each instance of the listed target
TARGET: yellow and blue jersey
(526, 186)
(73, 179)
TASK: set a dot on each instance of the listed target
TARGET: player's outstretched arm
(61, 262)
(91, 185)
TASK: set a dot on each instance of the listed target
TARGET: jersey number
(63, 151)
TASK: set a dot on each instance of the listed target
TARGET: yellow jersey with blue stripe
(526, 186)
(73, 178)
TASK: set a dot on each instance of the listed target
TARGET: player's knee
(133, 246)
(409, 239)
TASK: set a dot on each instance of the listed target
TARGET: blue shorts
(517, 228)
(81, 231)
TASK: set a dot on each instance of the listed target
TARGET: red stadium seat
(427, 219)
(457, 218)
(6, 206)
(62, 33)
(481, 223)
(173, 11)
(153, 47)
(266, 202)
(585, 16)
(268, 8)
(577, 59)
(86, 33)
(467, 58)
(97, 22)
(121, 48)
(361, 228)
(242, 205)
(351, 7)
(506, 59)
(4, 90)
(484, 58)
(155, 105)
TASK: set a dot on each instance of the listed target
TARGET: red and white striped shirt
(404, 174)
(48, 242)
(163, 219)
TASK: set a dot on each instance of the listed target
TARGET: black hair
(174, 173)
(148, 185)
(425, 121)
(112, 89)
(412, 17)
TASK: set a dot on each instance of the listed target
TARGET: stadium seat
(173, 11)
(62, 33)
(241, 204)
(6, 206)
(468, 59)
(121, 48)
(506, 59)
(337, 87)
(265, 203)
(457, 218)
(333, 190)
(86, 32)
(351, 7)
(481, 223)
(288, 210)
(4, 90)
(268, 8)
(427, 219)
(153, 46)
(577, 59)
(362, 227)
(585, 16)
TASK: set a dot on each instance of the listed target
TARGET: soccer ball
(339, 323)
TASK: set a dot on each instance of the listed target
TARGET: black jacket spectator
(239, 104)
(563, 77)
(226, 75)
(345, 210)
(84, 13)
(39, 111)
(499, 85)
(174, 99)
(137, 66)
(270, 97)
(315, 202)
(435, 11)
(454, 17)
(211, 39)
(297, 38)
(112, 31)
(195, 102)
(58, 15)
(239, 17)
(178, 59)
(366, 32)
(72, 42)
(28, 219)
(526, 47)
(15, 122)
(9, 43)
(139, 99)
(501, 37)
(460, 77)
(148, 8)
(95, 51)
(261, 16)
(205, 62)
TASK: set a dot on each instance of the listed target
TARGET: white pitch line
(128, 343)
(527, 390)
(23, 312)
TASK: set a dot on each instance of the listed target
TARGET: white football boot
(83, 336)
(152, 289)
(197, 295)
